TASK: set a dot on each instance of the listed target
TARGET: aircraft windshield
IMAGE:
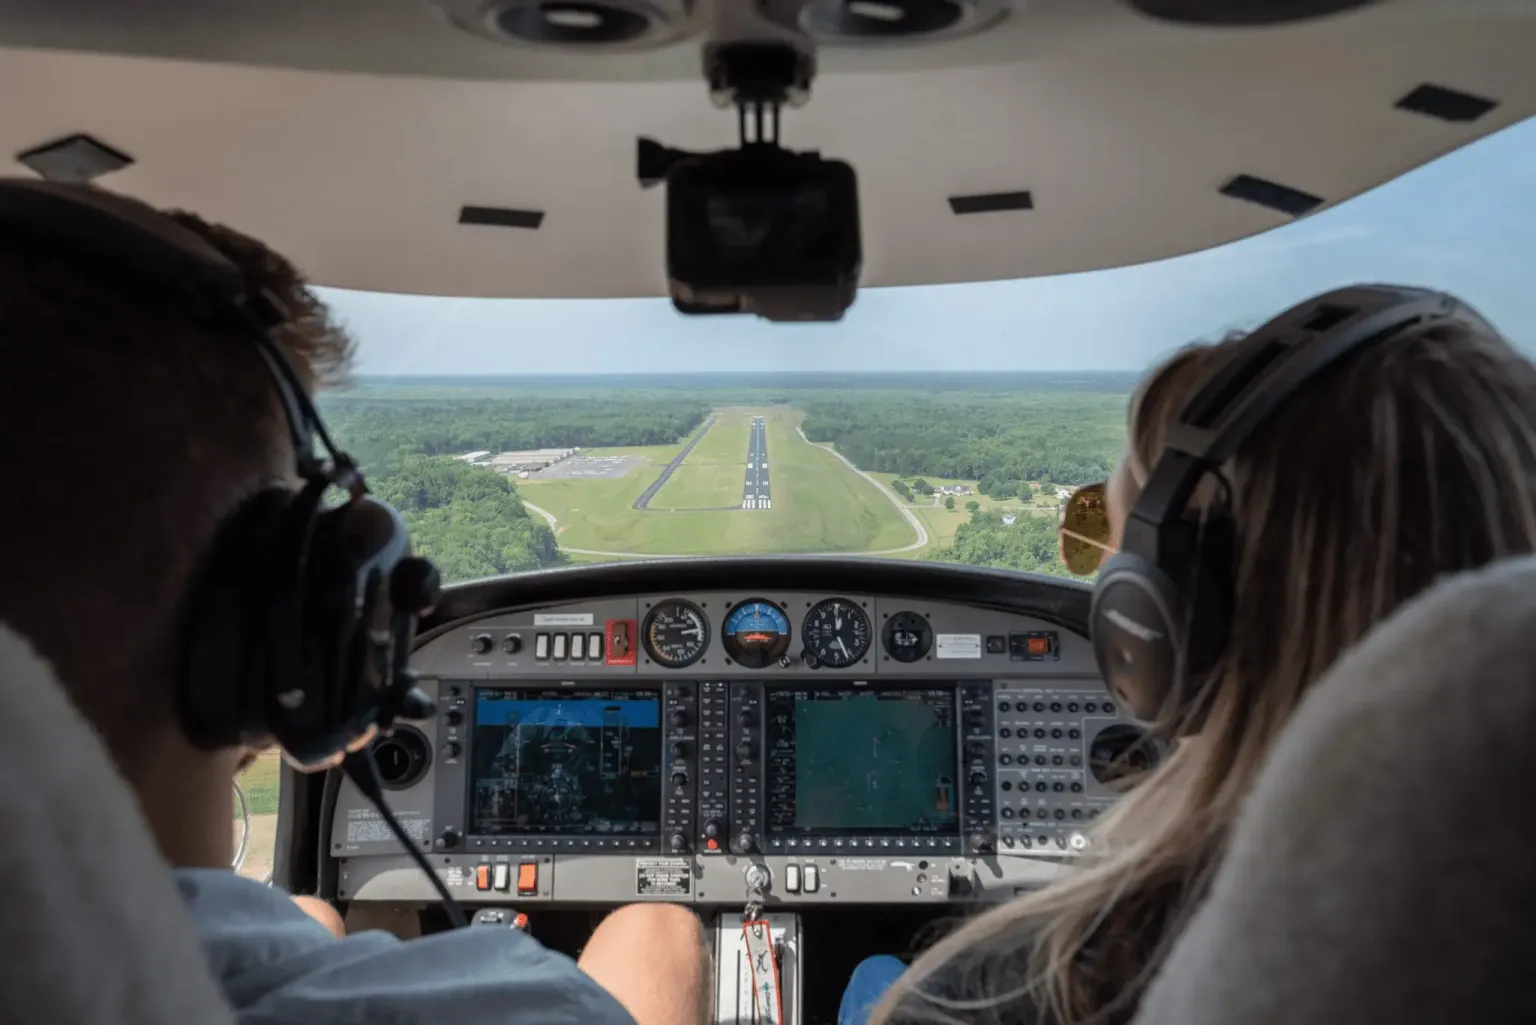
(941, 423)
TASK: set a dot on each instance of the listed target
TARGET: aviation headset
(1162, 605)
(300, 625)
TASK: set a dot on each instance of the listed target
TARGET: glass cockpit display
(871, 762)
(549, 761)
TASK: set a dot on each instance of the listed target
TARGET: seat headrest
(94, 928)
(1382, 870)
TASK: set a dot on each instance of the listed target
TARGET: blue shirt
(278, 966)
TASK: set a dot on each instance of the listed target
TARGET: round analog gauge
(836, 632)
(756, 634)
(907, 636)
(675, 633)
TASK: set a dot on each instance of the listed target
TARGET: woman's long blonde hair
(1413, 459)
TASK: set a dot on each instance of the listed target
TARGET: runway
(755, 493)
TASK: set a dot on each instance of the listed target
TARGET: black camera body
(758, 229)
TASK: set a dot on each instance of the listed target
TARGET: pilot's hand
(323, 913)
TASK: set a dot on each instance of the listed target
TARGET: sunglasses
(1083, 533)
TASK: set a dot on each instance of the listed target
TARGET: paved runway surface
(650, 492)
(754, 490)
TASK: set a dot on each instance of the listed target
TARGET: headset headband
(1275, 362)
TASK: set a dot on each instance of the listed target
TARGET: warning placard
(663, 877)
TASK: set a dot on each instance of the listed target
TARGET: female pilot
(1408, 460)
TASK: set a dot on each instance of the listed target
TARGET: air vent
(1243, 12)
(1445, 104)
(877, 21)
(1281, 198)
(991, 202)
(74, 158)
(501, 217)
(576, 24)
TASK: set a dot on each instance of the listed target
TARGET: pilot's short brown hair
(129, 430)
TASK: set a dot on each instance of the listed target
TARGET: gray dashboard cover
(93, 928)
(1383, 870)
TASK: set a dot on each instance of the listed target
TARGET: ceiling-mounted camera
(759, 228)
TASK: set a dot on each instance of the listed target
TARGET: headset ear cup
(1136, 623)
(222, 694)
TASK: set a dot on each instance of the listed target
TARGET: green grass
(260, 783)
(819, 505)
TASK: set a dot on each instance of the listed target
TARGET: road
(677, 460)
(754, 488)
(891, 496)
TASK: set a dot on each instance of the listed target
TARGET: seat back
(92, 925)
(1384, 869)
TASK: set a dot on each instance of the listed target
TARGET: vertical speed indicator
(837, 633)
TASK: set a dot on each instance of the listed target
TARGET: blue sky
(1465, 223)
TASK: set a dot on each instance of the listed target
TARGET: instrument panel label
(957, 646)
(562, 619)
(663, 877)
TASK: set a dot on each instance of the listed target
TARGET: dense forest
(1001, 430)
(1000, 441)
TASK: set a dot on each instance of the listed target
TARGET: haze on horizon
(1462, 224)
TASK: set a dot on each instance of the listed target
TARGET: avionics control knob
(452, 749)
(512, 644)
(980, 844)
(679, 718)
(744, 842)
(746, 718)
(745, 750)
(977, 777)
(481, 644)
(679, 776)
(785, 661)
(677, 843)
(453, 717)
(712, 829)
(448, 838)
(678, 749)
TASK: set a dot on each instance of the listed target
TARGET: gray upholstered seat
(1385, 867)
(93, 928)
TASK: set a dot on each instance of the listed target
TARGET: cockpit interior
(851, 752)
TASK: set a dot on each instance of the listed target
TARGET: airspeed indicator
(837, 633)
(675, 633)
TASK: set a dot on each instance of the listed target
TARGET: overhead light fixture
(1243, 12)
(879, 21)
(74, 158)
(576, 24)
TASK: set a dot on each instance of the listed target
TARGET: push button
(482, 877)
(541, 646)
(594, 645)
(560, 641)
(791, 878)
(578, 645)
(501, 876)
(528, 878)
(811, 882)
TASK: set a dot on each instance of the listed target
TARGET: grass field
(819, 505)
(260, 783)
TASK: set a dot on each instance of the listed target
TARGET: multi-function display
(868, 762)
(555, 762)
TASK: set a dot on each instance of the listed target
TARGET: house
(1009, 519)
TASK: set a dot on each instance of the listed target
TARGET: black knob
(744, 842)
(678, 842)
(453, 717)
(980, 844)
(482, 644)
(512, 644)
(679, 718)
(679, 777)
(678, 749)
(745, 750)
(415, 585)
(785, 661)
(452, 749)
(977, 777)
(809, 658)
(448, 838)
(975, 749)
(746, 718)
(712, 829)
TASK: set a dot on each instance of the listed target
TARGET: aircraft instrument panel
(719, 748)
